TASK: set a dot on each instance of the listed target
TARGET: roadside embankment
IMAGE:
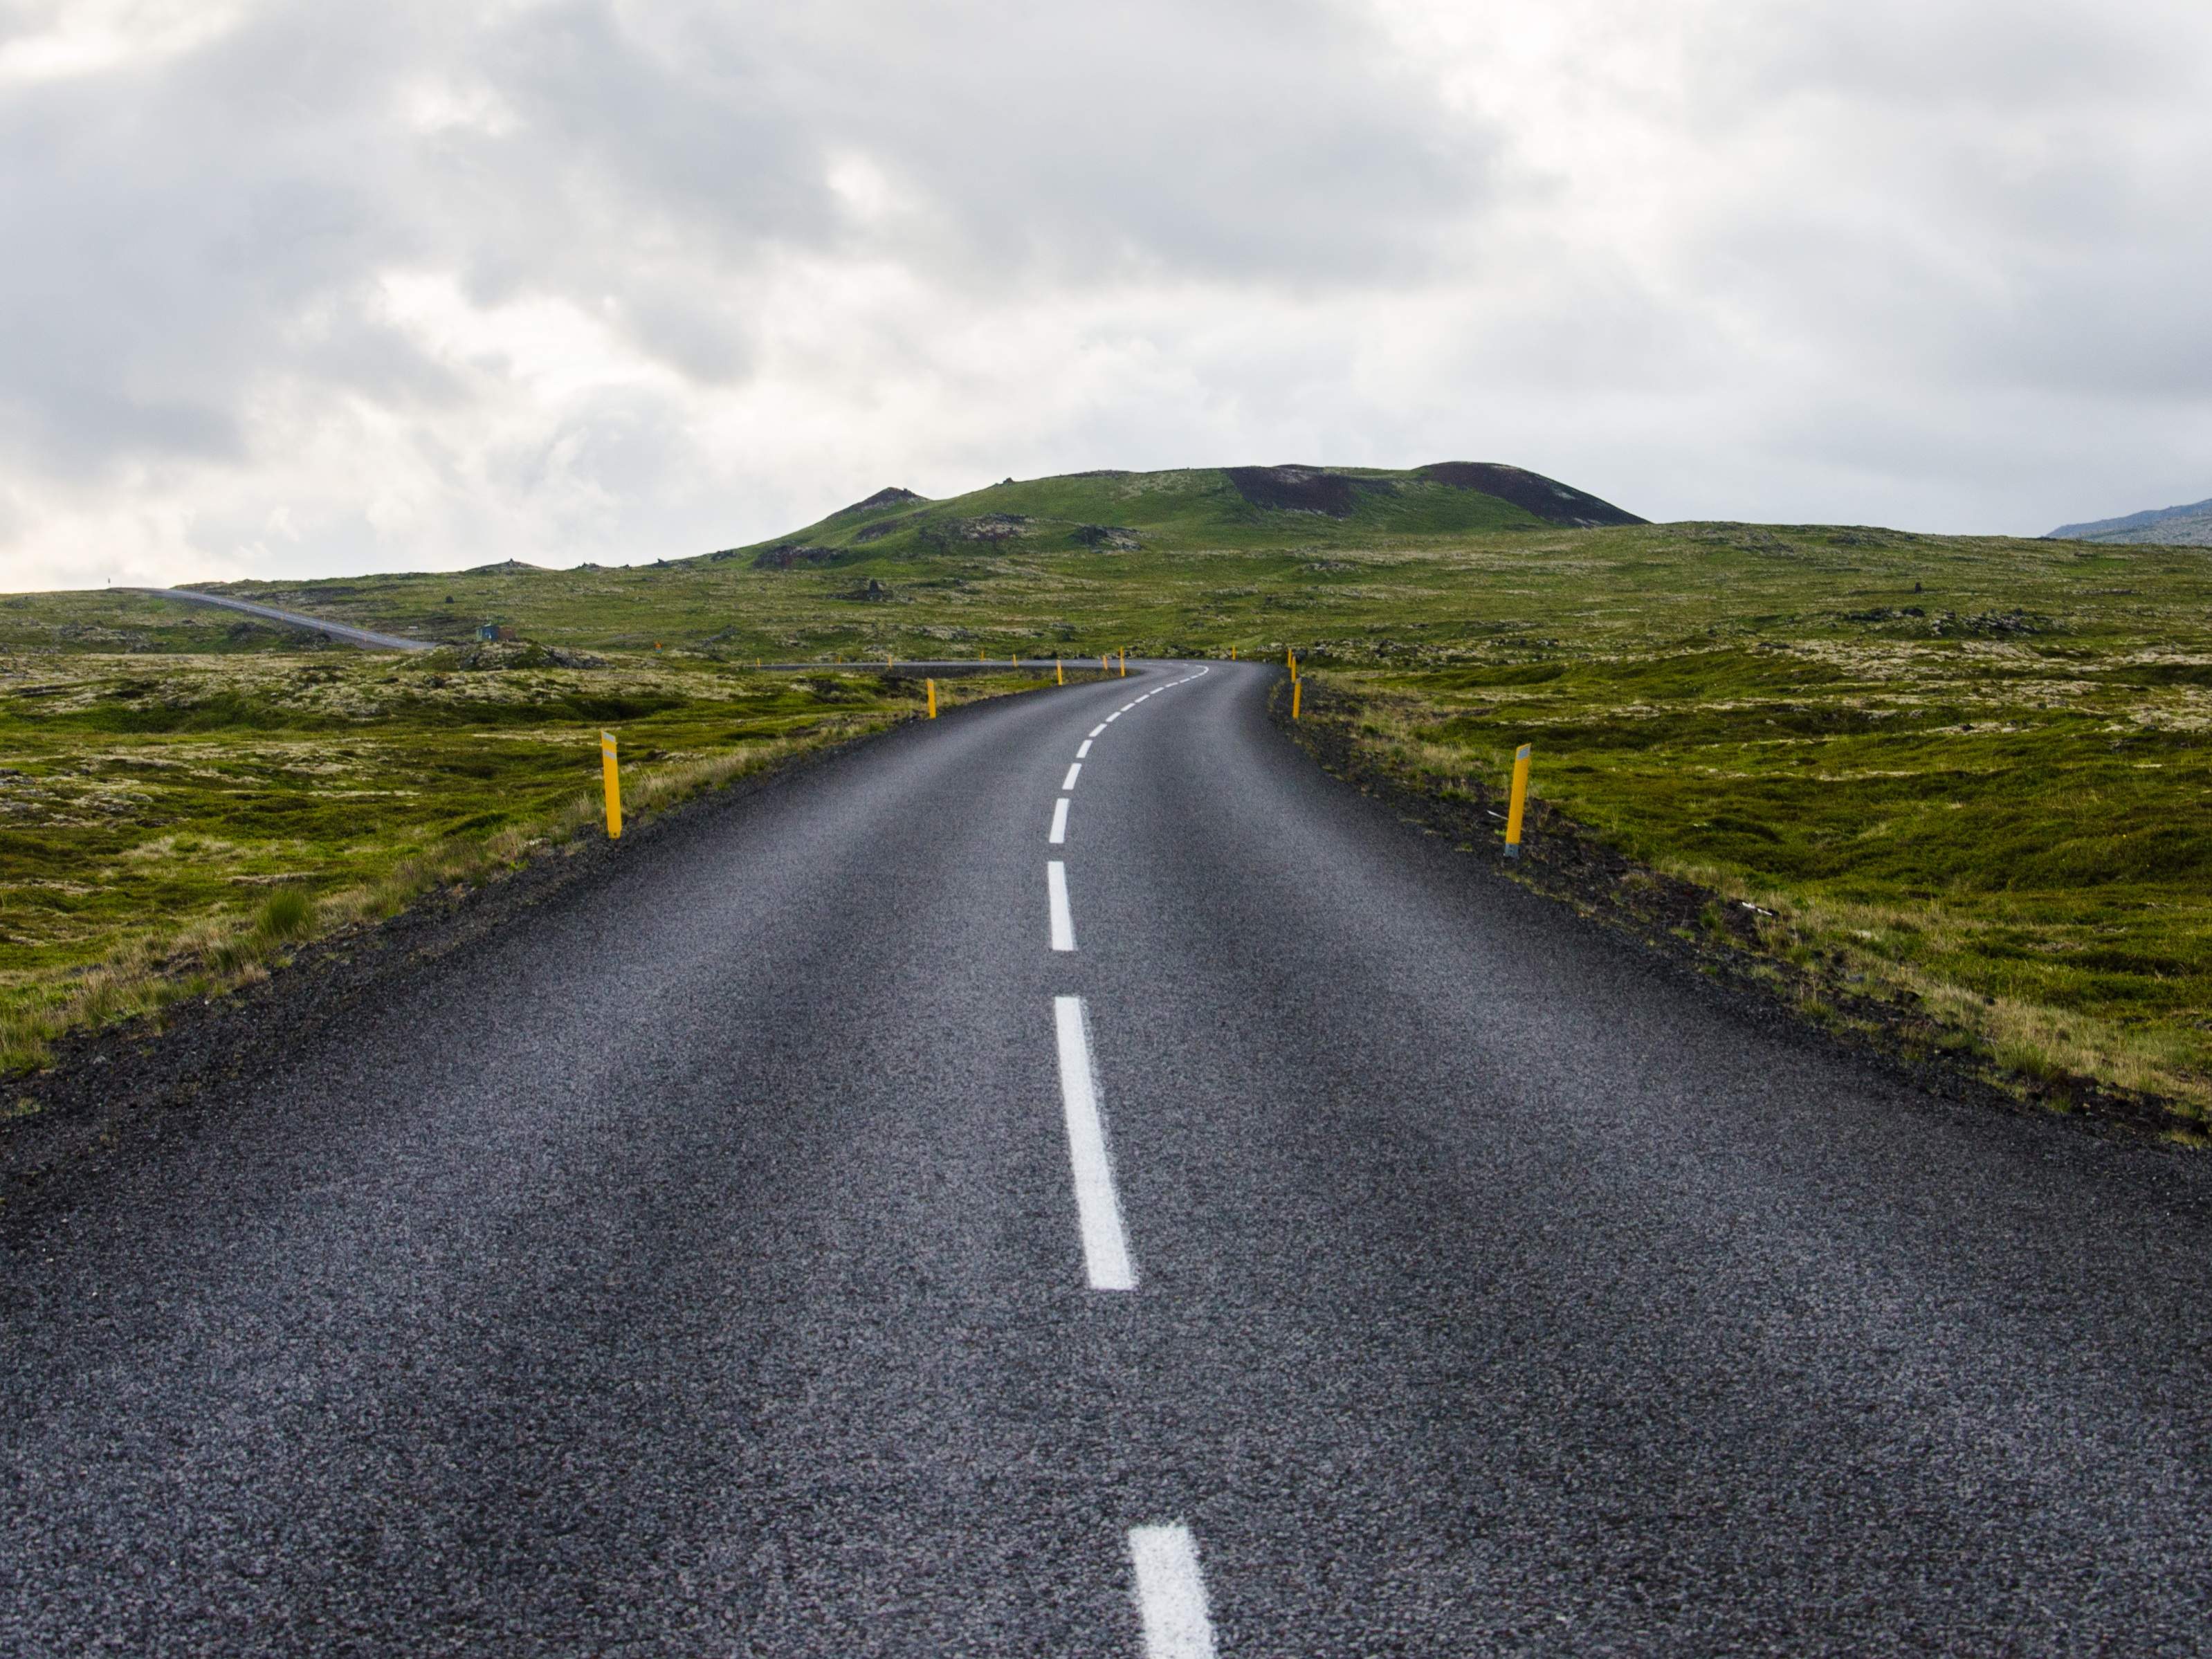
(2013, 915)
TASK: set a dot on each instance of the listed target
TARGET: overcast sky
(319, 288)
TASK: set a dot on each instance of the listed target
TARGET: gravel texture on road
(692, 1265)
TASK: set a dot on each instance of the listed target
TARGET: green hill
(1251, 508)
(1135, 559)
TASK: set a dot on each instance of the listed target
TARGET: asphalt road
(778, 1246)
(344, 632)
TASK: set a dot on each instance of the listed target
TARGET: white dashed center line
(1170, 1594)
(1063, 918)
(1105, 1246)
(1170, 1590)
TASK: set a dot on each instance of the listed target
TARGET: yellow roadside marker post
(1290, 659)
(1059, 673)
(611, 773)
(932, 685)
(1125, 665)
(1295, 689)
(1233, 654)
(1520, 800)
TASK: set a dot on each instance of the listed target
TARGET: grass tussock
(286, 914)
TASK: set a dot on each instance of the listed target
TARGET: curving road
(366, 638)
(834, 1234)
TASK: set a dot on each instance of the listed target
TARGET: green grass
(1974, 769)
(171, 825)
(2026, 846)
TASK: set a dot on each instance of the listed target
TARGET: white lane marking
(1105, 1246)
(1170, 1593)
(1111, 718)
(1083, 749)
(1097, 729)
(1073, 768)
(1058, 822)
(1126, 707)
(1063, 918)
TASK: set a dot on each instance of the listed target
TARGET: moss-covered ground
(1971, 768)
(1978, 776)
(171, 823)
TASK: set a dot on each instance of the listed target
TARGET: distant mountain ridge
(1237, 508)
(2175, 527)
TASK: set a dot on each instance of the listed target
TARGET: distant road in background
(360, 636)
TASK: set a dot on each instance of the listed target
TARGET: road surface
(364, 637)
(836, 1233)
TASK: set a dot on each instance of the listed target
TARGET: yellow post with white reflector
(611, 772)
(1519, 802)
(932, 685)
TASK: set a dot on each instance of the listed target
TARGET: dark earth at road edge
(1709, 938)
(112, 1092)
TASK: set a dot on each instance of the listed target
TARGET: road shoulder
(1705, 938)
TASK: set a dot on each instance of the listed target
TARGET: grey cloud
(173, 231)
(1268, 145)
(209, 223)
(1978, 200)
(608, 450)
(1914, 56)
(1928, 235)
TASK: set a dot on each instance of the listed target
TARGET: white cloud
(62, 39)
(419, 285)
